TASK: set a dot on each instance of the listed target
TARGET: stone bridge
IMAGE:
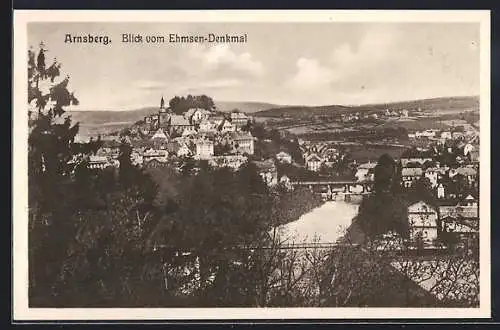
(335, 189)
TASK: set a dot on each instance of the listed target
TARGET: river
(324, 224)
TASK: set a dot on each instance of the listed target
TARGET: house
(470, 201)
(434, 174)
(160, 135)
(469, 173)
(197, 115)
(178, 123)
(189, 113)
(440, 191)
(217, 120)
(227, 127)
(204, 149)
(150, 154)
(284, 157)
(462, 220)
(313, 162)
(155, 163)
(455, 211)
(462, 229)
(268, 171)
(365, 172)
(189, 131)
(474, 156)
(410, 175)
(244, 142)
(423, 222)
(207, 125)
(154, 121)
(239, 119)
(184, 151)
(98, 162)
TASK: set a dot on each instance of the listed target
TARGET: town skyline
(365, 63)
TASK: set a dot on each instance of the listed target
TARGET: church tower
(163, 114)
(162, 104)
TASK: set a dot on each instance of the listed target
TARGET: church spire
(162, 103)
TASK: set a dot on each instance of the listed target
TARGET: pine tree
(52, 154)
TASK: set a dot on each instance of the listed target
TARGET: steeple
(162, 103)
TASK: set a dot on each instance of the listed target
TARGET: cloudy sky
(282, 63)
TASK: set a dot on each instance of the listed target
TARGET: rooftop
(178, 120)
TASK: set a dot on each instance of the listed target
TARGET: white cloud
(310, 75)
(221, 57)
(375, 47)
(341, 76)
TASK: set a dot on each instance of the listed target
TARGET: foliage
(374, 216)
(180, 105)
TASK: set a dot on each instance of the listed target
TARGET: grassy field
(363, 154)
(419, 124)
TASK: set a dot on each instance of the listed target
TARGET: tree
(52, 156)
(375, 217)
(180, 105)
(84, 227)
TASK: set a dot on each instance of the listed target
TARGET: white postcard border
(21, 310)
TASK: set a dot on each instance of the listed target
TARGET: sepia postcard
(239, 165)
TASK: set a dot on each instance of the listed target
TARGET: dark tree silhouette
(179, 105)
(384, 210)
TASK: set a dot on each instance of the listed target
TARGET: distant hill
(247, 107)
(444, 104)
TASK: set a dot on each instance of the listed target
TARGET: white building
(98, 162)
(244, 142)
(440, 191)
(313, 162)
(423, 221)
(228, 127)
(204, 149)
(150, 154)
(189, 131)
(239, 119)
(196, 115)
